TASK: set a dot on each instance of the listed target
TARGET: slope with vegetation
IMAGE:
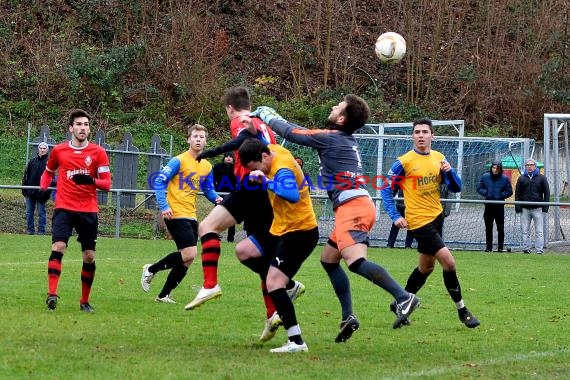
(148, 66)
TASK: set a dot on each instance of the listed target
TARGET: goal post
(556, 164)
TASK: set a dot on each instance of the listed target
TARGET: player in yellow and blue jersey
(293, 234)
(419, 174)
(176, 187)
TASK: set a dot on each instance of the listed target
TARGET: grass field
(522, 302)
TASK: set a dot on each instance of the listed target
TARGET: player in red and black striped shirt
(82, 168)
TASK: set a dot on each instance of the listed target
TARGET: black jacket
(224, 177)
(32, 175)
(532, 187)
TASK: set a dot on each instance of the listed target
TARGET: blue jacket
(495, 187)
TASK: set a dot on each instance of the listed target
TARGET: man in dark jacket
(36, 197)
(394, 230)
(494, 186)
(532, 187)
(225, 181)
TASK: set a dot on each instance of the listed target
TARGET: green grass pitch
(523, 302)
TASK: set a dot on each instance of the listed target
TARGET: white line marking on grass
(490, 362)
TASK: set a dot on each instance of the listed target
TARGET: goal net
(381, 144)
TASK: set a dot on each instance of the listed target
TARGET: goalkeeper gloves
(267, 114)
(83, 179)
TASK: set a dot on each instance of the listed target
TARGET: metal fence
(463, 228)
(131, 211)
(125, 159)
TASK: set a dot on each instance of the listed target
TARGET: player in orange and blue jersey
(419, 174)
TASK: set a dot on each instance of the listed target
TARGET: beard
(332, 125)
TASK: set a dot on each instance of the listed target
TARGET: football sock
(284, 307)
(452, 285)
(54, 271)
(87, 276)
(379, 276)
(294, 334)
(210, 257)
(341, 285)
(269, 305)
(416, 280)
(174, 278)
(290, 285)
(169, 261)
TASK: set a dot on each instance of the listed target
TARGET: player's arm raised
(315, 138)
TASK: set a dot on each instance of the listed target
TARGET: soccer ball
(390, 47)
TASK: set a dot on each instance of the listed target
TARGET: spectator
(394, 230)
(36, 198)
(494, 186)
(532, 187)
(225, 181)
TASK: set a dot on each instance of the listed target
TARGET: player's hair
(196, 127)
(356, 113)
(75, 113)
(423, 121)
(237, 97)
(251, 150)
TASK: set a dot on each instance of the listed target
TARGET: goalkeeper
(355, 213)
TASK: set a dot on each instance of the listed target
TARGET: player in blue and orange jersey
(419, 174)
(176, 188)
(355, 213)
(293, 235)
(82, 168)
(237, 207)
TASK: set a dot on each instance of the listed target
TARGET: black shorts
(288, 252)
(265, 243)
(429, 236)
(86, 225)
(250, 205)
(184, 232)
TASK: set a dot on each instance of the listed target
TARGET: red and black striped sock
(54, 271)
(269, 305)
(87, 276)
(210, 256)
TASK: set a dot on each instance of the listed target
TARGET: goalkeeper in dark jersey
(355, 213)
